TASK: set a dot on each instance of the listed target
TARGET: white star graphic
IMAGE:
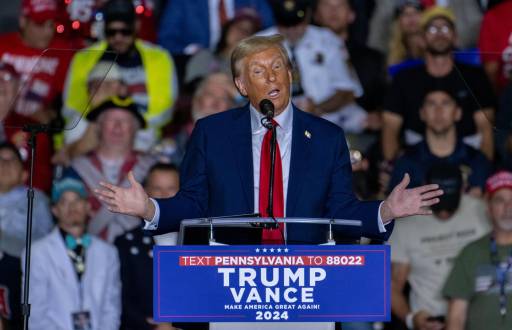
(272, 250)
(279, 250)
(257, 250)
(286, 250)
(264, 250)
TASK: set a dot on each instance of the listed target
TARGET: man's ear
(351, 16)
(137, 26)
(54, 211)
(422, 114)
(24, 176)
(88, 209)
(240, 86)
(488, 211)
(458, 114)
(455, 37)
(22, 22)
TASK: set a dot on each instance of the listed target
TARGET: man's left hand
(403, 202)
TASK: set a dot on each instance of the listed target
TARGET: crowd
(422, 87)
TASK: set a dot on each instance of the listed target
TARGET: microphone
(267, 109)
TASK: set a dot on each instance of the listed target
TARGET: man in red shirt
(8, 88)
(35, 55)
(496, 44)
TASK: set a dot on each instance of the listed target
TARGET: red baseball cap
(499, 180)
(39, 10)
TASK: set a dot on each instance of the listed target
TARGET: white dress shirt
(284, 138)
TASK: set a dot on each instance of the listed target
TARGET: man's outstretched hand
(132, 200)
(403, 202)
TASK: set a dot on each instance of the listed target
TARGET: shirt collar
(284, 119)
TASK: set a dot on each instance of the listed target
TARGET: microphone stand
(270, 208)
(267, 108)
(33, 130)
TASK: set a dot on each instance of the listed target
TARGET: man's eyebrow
(254, 63)
(277, 58)
(272, 60)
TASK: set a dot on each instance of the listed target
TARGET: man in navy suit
(224, 163)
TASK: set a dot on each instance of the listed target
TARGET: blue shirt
(417, 160)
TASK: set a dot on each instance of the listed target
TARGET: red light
(60, 28)
(67, 2)
(139, 9)
(75, 25)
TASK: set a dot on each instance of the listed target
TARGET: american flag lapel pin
(307, 134)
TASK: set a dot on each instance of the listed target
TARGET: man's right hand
(131, 201)
(160, 326)
(422, 322)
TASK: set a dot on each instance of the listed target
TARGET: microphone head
(267, 108)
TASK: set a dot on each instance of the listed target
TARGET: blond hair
(256, 44)
(400, 48)
(397, 50)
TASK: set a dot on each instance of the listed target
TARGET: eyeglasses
(124, 32)
(445, 29)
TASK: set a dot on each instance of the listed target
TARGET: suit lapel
(299, 160)
(93, 278)
(62, 262)
(241, 140)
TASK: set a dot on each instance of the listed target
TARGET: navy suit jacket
(186, 22)
(217, 176)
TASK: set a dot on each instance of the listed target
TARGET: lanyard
(78, 260)
(79, 267)
(501, 274)
(81, 294)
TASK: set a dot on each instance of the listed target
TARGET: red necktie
(271, 236)
(223, 16)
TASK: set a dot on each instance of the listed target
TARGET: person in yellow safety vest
(145, 71)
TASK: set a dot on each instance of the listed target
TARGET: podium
(247, 230)
(220, 273)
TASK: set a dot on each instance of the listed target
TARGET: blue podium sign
(271, 283)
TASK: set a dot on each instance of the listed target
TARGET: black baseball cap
(290, 12)
(445, 88)
(119, 10)
(402, 4)
(449, 178)
(115, 102)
